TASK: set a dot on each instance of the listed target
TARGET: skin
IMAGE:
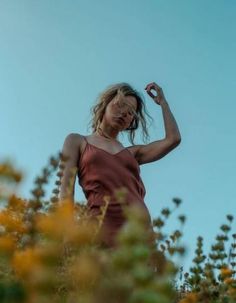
(110, 125)
(74, 143)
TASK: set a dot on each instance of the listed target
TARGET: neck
(102, 133)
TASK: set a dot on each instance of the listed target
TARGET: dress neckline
(105, 150)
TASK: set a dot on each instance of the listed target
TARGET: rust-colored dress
(101, 173)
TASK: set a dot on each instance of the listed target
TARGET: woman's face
(121, 108)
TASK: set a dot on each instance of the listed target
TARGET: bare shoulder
(73, 139)
(72, 143)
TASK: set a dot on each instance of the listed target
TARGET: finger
(149, 88)
(148, 85)
(153, 86)
(150, 94)
(157, 91)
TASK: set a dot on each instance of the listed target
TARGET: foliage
(52, 251)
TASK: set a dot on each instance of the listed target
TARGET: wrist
(164, 103)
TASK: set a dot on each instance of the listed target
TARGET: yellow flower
(229, 280)
(25, 262)
(6, 170)
(84, 270)
(59, 222)
(12, 221)
(16, 203)
(226, 272)
(189, 298)
(62, 224)
(7, 244)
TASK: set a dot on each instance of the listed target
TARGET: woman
(105, 167)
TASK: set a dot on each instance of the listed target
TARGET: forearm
(70, 151)
(171, 127)
(64, 194)
(67, 185)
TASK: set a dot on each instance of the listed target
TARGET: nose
(124, 115)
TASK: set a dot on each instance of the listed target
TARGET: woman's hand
(159, 98)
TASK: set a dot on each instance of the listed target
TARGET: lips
(120, 119)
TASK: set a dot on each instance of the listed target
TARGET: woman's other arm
(158, 149)
(70, 150)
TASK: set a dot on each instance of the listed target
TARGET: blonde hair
(120, 90)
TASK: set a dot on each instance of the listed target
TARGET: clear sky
(56, 56)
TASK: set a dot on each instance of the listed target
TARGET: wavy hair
(106, 96)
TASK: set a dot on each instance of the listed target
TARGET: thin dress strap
(85, 139)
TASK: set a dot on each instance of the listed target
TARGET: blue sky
(57, 56)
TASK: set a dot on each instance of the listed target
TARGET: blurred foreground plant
(51, 251)
(213, 281)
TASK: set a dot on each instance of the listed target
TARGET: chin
(119, 125)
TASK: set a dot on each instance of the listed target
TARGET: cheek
(110, 113)
(113, 110)
(110, 108)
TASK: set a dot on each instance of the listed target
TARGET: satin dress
(100, 174)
